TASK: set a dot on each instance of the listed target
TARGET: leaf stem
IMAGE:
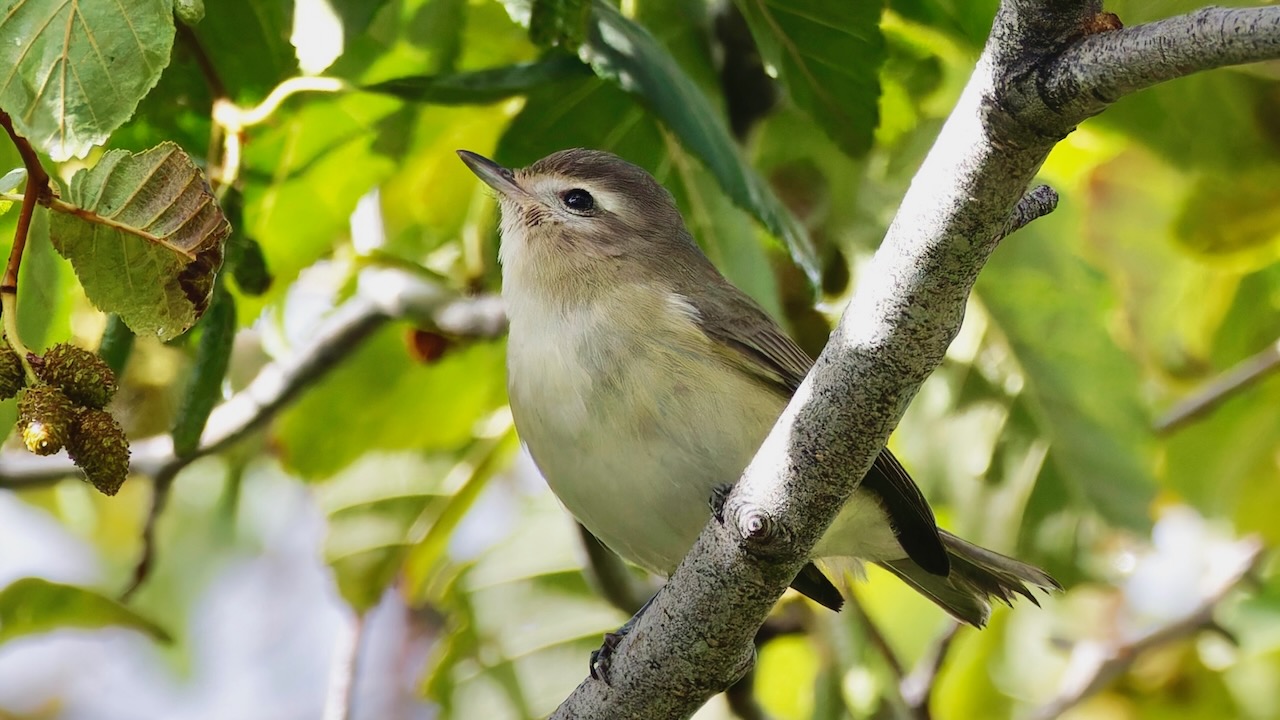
(9, 308)
(231, 120)
(37, 190)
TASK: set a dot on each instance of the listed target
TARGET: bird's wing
(756, 344)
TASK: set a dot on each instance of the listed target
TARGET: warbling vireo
(641, 380)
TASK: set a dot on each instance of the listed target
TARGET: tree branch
(897, 670)
(1242, 375)
(37, 190)
(1104, 67)
(695, 638)
(1037, 203)
(384, 294)
(1093, 665)
(917, 687)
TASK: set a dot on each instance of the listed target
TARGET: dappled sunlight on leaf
(76, 71)
(149, 241)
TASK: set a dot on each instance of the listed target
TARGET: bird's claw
(719, 494)
(601, 659)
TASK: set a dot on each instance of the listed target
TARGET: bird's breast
(632, 419)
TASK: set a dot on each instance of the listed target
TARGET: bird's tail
(976, 576)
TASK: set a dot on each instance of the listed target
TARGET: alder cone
(45, 416)
(12, 377)
(98, 446)
(81, 375)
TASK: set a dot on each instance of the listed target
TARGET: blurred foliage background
(382, 549)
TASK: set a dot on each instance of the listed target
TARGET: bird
(641, 381)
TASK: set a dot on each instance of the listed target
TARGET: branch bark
(1025, 95)
(384, 294)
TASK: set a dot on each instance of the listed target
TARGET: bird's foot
(719, 494)
(601, 659)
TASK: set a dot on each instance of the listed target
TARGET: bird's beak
(493, 174)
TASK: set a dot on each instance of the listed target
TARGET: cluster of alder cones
(65, 409)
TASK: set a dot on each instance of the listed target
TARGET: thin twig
(339, 703)
(891, 659)
(878, 640)
(161, 484)
(1038, 202)
(1242, 375)
(1096, 664)
(191, 42)
(917, 687)
(217, 173)
(385, 294)
(37, 191)
(232, 116)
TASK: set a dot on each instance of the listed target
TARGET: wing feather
(757, 345)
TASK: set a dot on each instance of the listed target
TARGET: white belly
(610, 418)
(621, 438)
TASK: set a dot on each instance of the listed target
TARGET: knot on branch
(761, 533)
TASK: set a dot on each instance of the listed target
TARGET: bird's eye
(578, 201)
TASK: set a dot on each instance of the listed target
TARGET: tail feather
(976, 576)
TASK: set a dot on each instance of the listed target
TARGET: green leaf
(75, 71)
(969, 20)
(522, 618)
(1225, 465)
(33, 605)
(305, 174)
(1233, 215)
(1082, 389)
(204, 387)
(146, 239)
(178, 108)
(190, 12)
(356, 15)
(372, 506)
(380, 399)
(391, 515)
(116, 344)
(482, 86)
(559, 22)
(45, 283)
(625, 53)
(418, 37)
(828, 54)
(1222, 120)
(13, 179)
(488, 455)
(245, 259)
(246, 43)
